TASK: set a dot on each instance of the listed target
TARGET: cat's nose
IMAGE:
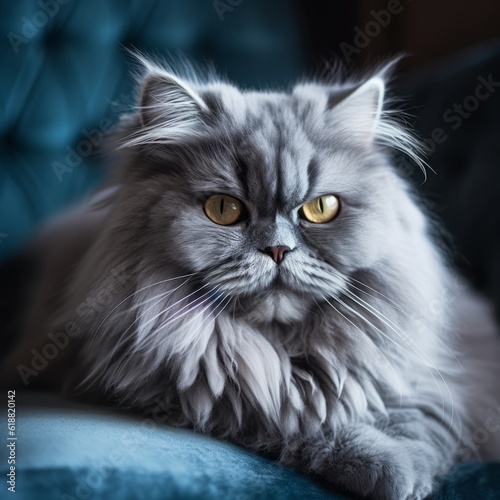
(277, 253)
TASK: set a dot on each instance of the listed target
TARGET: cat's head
(275, 199)
(267, 239)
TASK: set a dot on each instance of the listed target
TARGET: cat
(257, 264)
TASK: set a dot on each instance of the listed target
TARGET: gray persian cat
(257, 265)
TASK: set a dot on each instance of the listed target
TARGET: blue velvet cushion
(65, 79)
(70, 451)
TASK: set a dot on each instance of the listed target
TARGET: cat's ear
(359, 109)
(166, 100)
(170, 109)
(358, 114)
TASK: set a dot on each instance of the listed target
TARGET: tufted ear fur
(170, 109)
(358, 114)
(166, 99)
(360, 110)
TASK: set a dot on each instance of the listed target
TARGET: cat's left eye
(320, 210)
(223, 209)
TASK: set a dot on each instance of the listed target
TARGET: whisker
(135, 293)
(179, 314)
(388, 299)
(376, 347)
(156, 316)
(405, 338)
(392, 303)
(159, 296)
(411, 344)
(378, 330)
(118, 343)
(226, 299)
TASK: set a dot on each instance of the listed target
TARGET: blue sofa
(69, 451)
(64, 81)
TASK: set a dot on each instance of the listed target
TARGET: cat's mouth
(278, 283)
(256, 280)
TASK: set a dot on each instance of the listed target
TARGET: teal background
(65, 68)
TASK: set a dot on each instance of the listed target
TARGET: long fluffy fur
(353, 346)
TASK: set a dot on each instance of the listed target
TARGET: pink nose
(277, 253)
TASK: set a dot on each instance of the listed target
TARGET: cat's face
(274, 199)
(216, 183)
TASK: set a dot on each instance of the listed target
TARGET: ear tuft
(170, 109)
(360, 109)
(165, 97)
(358, 114)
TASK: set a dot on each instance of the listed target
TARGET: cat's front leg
(396, 459)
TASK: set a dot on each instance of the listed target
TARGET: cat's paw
(372, 465)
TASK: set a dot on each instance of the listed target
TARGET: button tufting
(66, 75)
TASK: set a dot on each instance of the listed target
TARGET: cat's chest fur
(267, 376)
(280, 310)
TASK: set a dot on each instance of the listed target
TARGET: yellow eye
(320, 210)
(223, 209)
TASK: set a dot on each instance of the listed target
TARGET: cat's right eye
(320, 210)
(223, 209)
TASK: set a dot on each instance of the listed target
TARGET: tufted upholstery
(65, 79)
